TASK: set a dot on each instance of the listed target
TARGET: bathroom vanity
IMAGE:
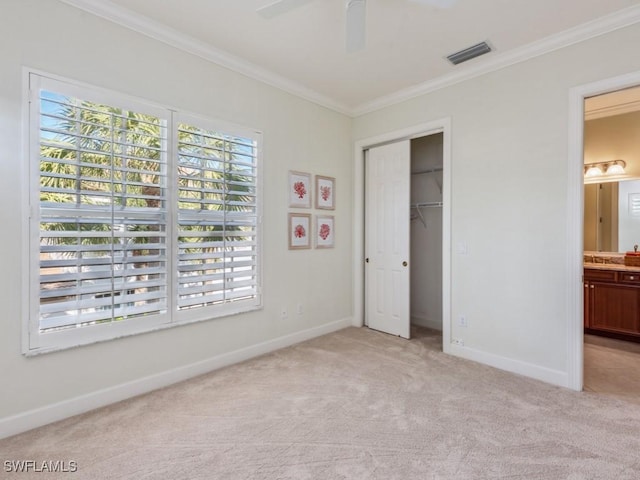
(611, 298)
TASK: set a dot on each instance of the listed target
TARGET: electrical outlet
(457, 341)
(284, 314)
(299, 309)
(462, 321)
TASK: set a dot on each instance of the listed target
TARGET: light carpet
(355, 404)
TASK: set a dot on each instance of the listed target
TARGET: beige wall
(611, 138)
(509, 197)
(56, 38)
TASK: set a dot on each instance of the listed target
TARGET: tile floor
(612, 367)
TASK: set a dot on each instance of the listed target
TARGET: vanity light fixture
(592, 171)
(608, 168)
(616, 167)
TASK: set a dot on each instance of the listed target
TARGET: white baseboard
(548, 375)
(58, 411)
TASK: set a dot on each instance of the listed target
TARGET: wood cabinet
(612, 303)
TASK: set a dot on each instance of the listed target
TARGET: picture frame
(325, 231)
(299, 189)
(325, 192)
(299, 231)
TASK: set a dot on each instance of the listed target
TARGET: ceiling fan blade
(355, 24)
(280, 6)
(436, 3)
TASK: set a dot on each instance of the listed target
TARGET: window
(217, 211)
(140, 217)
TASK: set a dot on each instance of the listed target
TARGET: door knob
(404, 264)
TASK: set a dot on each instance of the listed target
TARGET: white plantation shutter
(634, 204)
(140, 217)
(217, 224)
(102, 213)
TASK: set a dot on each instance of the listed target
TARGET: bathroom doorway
(611, 225)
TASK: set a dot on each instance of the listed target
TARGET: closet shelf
(426, 204)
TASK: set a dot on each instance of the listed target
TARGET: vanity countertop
(611, 266)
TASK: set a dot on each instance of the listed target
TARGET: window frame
(37, 342)
(229, 130)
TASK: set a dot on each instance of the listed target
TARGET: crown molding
(612, 110)
(158, 31)
(620, 19)
(186, 43)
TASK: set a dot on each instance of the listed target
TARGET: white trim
(447, 199)
(156, 30)
(575, 247)
(575, 221)
(554, 377)
(442, 125)
(36, 343)
(495, 61)
(27, 210)
(75, 406)
(612, 110)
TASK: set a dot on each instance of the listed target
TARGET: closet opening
(404, 236)
(426, 232)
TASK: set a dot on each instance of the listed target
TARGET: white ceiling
(303, 50)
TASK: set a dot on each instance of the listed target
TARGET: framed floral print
(299, 231)
(299, 189)
(325, 192)
(325, 231)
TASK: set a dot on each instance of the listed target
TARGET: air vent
(469, 53)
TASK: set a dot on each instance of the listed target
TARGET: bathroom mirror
(612, 216)
(612, 209)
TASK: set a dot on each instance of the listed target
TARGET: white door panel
(387, 238)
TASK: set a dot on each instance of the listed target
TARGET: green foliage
(95, 155)
(102, 157)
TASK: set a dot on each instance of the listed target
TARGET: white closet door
(387, 238)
